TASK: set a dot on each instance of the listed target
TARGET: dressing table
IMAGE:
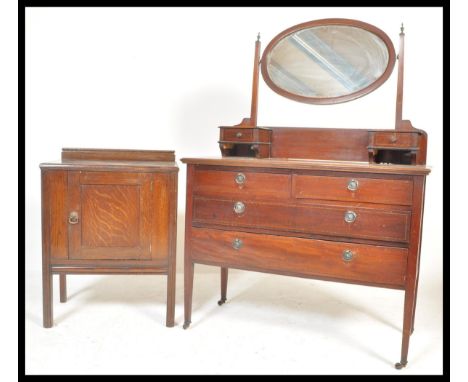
(342, 205)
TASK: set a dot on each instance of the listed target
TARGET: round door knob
(347, 255)
(240, 178)
(73, 217)
(350, 216)
(353, 185)
(239, 207)
(239, 135)
(237, 243)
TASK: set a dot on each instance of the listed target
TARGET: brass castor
(400, 365)
(187, 324)
(222, 301)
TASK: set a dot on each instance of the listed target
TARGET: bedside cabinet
(108, 212)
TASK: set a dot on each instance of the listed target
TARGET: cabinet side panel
(160, 216)
(57, 201)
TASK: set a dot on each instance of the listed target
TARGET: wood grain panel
(307, 257)
(372, 190)
(57, 195)
(110, 216)
(115, 218)
(115, 154)
(317, 143)
(160, 216)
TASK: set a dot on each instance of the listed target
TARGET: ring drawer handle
(353, 185)
(237, 243)
(239, 135)
(73, 217)
(240, 178)
(239, 207)
(347, 255)
(350, 216)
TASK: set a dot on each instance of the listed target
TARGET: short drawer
(365, 223)
(358, 189)
(237, 135)
(297, 256)
(241, 184)
(394, 139)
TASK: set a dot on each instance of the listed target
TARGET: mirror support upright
(252, 121)
(401, 124)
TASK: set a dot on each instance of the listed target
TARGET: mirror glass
(327, 63)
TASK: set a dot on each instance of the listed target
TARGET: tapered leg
(47, 311)
(224, 280)
(170, 310)
(188, 292)
(410, 296)
(63, 287)
(414, 304)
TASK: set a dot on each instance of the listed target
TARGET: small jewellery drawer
(237, 135)
(241, 184)
(349, 188)
(365, 223)
(297, 256)
(394, 139)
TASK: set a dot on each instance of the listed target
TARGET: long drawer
(365, 223)
(297, 256)
(357, 189)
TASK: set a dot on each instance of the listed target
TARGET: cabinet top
(115, 159)
(308, 164)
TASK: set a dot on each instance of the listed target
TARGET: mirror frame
(327, 22)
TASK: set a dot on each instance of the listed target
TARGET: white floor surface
(269, 325)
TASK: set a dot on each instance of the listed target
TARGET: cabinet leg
(188, 293)
(170, 310)
(47, 311)
(224, 280)
(410, 297)
(63, 287)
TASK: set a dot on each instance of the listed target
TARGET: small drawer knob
(347, 255)
(239, 207)
(350, 216)
(240, 178)
(73, 217)
(237, 243)
(353, 185)
(239, 135)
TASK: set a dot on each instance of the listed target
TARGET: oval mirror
(328, 61)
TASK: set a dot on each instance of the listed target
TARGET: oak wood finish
(109, 212)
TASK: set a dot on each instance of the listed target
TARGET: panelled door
(110, 215)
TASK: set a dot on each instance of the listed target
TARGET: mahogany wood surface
(116, 217)
(300, 230)
(369, 224)
(308, 257)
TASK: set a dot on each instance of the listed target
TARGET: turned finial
(402, 28)
(258, 36)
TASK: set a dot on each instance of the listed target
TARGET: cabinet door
(110, 215)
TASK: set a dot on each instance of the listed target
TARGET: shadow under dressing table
(340, 205)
